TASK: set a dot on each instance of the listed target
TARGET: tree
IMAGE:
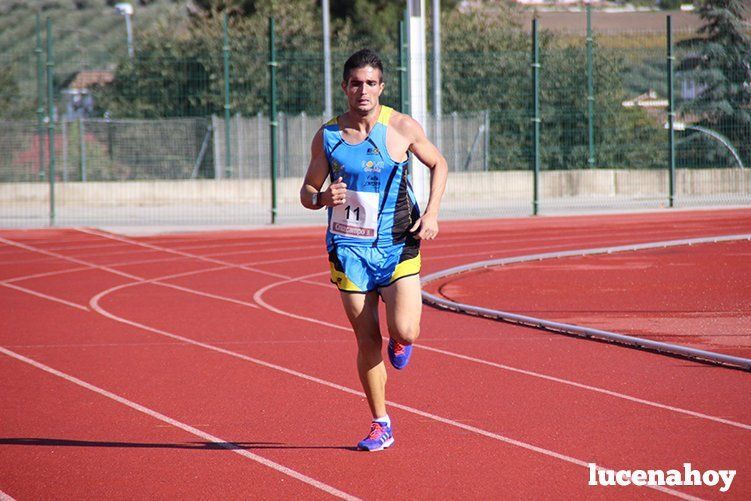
(723, 73)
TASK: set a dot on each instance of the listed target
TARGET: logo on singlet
(374, 151)
(371, 166)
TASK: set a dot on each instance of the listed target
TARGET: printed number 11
(355, 211)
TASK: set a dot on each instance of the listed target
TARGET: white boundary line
(117, 272)
(303, 279)
(5, 497)
(479, 431)
(258, 298)
(659, 347)
(44, 296)
(185, 427)
(253, 251)
(94, 304)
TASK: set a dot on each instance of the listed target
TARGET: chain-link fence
(164, 139)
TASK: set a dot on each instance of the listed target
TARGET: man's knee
(406, 333)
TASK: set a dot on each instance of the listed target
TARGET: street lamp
(711, 133)
(125, 9)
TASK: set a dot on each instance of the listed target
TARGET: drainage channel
(581, 331)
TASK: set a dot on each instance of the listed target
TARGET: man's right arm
(316, 175)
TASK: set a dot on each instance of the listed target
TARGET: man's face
(363, 89)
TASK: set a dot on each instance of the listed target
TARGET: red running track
(698, 296)
(220, 365)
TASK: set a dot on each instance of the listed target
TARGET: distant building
(655, 106)
(648, 100)
(78, 100)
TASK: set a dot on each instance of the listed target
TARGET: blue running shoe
(379, 438)
(399, 354)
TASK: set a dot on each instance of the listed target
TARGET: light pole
(711, 133)
(125, 9)
(328, 107)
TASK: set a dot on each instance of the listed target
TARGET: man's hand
(335, 194)
(426, 228)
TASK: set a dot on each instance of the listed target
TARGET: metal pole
(403, 76)
(328, 105)
(273, 123)
(51, 124)
(227, 113)
(64, 130)
(455, 139)
(82, 142)
(486, 156)
(671, 116)
(590, 91)
(418, 92)
(536, 119)
(40, 96)
(259, 144)
(129, 29)
(437, 94)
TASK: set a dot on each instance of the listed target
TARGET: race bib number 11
(357, 217)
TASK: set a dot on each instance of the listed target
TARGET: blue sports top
(380, 206)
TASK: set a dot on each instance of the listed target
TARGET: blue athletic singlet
(368, 236)
(380, 202)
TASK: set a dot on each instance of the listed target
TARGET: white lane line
(122, 274)
(5, 497)
(177, 343)
(44, 296)
(185, 427)
(94, 303)
(67, 258)
(489, 253)
(46, 274)
(258, 298)
(505, 241)
(179, 253)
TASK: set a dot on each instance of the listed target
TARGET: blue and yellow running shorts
(364, 268)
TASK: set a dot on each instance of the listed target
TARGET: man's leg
(403, 309)
(362, 311)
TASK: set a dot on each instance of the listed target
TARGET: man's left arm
(425, 151)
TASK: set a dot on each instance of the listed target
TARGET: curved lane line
(185, 427)
(303, 279)
(258, 298)
(94, 303)
(130, 276)
(587, 332)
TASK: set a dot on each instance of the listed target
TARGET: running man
(375, 225)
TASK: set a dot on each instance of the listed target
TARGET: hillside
(87, 34)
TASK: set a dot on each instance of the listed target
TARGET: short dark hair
(361, 59)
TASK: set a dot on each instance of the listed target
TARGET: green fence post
(227, 113)
(51, 125)
(40, 95)
(671, 116)
(590, 91)
(404, 64)
(402, 69)
(82, 150)
(273, 124)
(535, 119)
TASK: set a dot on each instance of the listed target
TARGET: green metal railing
(570, 121)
